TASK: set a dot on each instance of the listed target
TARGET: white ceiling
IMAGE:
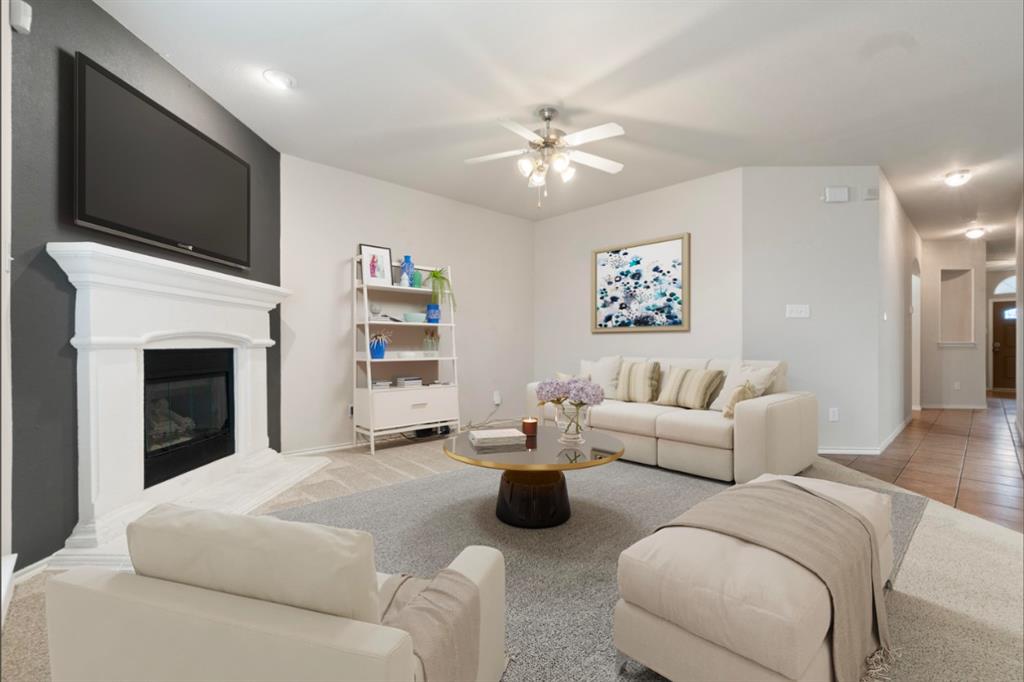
(405, 91)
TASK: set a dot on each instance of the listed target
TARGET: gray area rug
(560, 582)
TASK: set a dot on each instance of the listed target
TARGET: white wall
(899, 247)
(1019, 236)
(798, 249)
(325, 214)
(709, 208)
(944, 367)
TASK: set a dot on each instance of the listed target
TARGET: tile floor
(968, 459)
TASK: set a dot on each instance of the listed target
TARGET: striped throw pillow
(638, 381)
(690, 388)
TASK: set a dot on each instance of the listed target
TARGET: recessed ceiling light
(975, 233)
(958, 177)
(279, 79)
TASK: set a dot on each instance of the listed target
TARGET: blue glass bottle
(408, 270)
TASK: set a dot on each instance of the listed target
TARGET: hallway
(969, 459)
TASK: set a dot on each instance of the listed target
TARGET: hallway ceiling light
(279, 79)
(975, 233)
(958, 177)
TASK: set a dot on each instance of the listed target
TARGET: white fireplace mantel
(126, 303)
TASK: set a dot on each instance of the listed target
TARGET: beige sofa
(697, 605)
(775, 433)
(109, 625)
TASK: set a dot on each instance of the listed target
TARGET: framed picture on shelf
(643, 287)
(376, 264)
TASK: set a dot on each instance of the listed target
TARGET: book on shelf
(488, 438)
(407, 382)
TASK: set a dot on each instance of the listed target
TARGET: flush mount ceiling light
(552, 149)
(975, 233)
(957, 178)
(279, 79)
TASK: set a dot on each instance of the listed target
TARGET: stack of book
(498, 439)
(382, 383)
(407, 382)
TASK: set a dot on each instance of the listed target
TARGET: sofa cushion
(745, 598)
(638, 418)
(760, 379)
(313, 567)
(691, 388)
(700, 427)
(604, 372)
(638, 381)
(779, 381)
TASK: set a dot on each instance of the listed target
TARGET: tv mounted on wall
(143, 173)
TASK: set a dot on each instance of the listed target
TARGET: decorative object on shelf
(417, 279)
(431, 340)
(572, 399)
(551, 150)
(529, 426)
(417, 318)
(379, 342)
(376, 262)
(441, 291)
(408, 270)
(642, 287)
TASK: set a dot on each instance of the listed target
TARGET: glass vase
(570, 420)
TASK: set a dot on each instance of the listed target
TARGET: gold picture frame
(619, 305)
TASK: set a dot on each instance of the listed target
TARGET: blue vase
(377, 351)
(433, 313)
(408, 270)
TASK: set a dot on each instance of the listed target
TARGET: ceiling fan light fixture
(539, 177)
(975, 233)
(525, 166)
(957, 178)
(568, 174)
(279, 79)
(559, 162)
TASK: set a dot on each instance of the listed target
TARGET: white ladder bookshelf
(387, 411)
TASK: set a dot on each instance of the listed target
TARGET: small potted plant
(379, 343)
(441, 291)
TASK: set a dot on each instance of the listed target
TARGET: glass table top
(543, 452)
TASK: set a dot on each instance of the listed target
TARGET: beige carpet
(958, 607)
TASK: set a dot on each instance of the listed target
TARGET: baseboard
(320, 449)
(915, 408)
(849, 451)
(26, 572)
(6, 584)
(892, 436)
(954, 407)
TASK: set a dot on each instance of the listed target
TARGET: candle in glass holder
(530, 426)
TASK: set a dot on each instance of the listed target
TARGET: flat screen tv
(141, 172)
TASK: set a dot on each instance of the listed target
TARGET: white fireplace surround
(127, 303)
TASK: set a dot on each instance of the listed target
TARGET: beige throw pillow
(638, 381)
(604, 372)
(759, 378)
(691, 388)
(739, 394)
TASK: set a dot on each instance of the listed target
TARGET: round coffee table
(532, 493)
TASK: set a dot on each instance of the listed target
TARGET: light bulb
(958, 177)
(568, 174)
(279, 79)
(525, 166)
(559, 162)
(975, 233)
(538, 177)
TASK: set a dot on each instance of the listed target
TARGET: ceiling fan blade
(598, 162)
(521, 131)
(594, 134)
(493, 157)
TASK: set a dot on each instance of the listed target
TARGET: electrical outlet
(956, 385)
(497, 398)
(833, 414)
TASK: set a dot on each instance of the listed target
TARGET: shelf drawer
(413, 406)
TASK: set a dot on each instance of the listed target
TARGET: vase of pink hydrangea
(572, 399)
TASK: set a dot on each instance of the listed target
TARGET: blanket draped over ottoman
(443, 618)
(829, 539)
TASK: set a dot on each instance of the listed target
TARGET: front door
(1004, 344)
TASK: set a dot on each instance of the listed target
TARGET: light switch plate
(798, 310)
(833, 414)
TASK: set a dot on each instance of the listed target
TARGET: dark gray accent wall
(45, 497)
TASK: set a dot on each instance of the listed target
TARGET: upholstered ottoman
(697, 605)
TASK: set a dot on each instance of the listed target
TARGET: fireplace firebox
(188, 410)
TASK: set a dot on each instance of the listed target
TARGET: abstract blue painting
(643, 287)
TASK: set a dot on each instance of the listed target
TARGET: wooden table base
(533, 499)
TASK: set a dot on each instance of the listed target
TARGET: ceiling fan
(551, 149)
